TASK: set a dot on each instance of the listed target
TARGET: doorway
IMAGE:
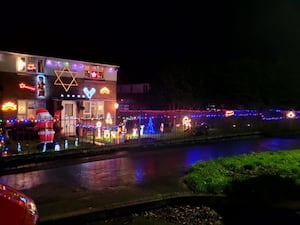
(68, 118)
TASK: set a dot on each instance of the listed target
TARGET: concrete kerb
(128, 208)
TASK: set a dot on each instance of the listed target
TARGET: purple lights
(77, 66)
(54, 64)
(58, 64)
(49, 62)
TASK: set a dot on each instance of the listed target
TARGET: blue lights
(150, 117)
(173, 114)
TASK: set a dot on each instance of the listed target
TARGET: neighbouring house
(133, 96)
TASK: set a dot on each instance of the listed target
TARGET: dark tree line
(244, 83)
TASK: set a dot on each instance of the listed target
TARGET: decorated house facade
(74, 92)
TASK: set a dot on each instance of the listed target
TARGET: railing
(20, 138)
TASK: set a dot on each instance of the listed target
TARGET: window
(31, 65)
(40, 66)
(41, 86)
(101, 72)
(27, 109)
(93, 109)
(21, 107)
(94, 72)
(69, 109)
(87, 110)
(21, 64)
(87, 107)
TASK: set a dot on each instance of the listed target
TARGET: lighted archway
(9, 106)
(104, 90)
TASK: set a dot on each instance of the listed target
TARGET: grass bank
(269, 176)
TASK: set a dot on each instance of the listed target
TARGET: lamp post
(116, 105)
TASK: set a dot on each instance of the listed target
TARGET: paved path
(59, 203)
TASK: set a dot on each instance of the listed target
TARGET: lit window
(93, 109)
(31, 66)
(21, 64)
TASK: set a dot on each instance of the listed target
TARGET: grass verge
(262, 175)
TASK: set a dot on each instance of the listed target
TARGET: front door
(68, 118)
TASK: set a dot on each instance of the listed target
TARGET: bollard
(76, 142)
(19, 147)
(66, 144)
(57, 146)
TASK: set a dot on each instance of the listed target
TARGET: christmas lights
(9, 106)
(104, 90)
(24, 86)
(89, 92)
(59, 81)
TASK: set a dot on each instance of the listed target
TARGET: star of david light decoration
(58, 80)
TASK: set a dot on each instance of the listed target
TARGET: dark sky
(141, 36)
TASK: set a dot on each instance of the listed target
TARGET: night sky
(141, 37)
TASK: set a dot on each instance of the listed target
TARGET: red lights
(24, 86)
(94, 74)
(31, 67)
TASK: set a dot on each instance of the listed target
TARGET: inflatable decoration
(44, 126)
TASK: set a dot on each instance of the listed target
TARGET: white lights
(290, 115)
(186, 122)
(72, 96)
(108, 119)
(99, 125)
(89, 92)
(21, 64)
(229, 113)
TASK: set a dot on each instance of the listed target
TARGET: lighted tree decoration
(108, 119)
(150, 128)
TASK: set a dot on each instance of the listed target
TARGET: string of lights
(130, 115)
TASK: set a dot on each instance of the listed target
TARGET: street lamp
(116, 105)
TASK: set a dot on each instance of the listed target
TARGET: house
(133, 96)
(72, 91)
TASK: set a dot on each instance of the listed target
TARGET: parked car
(16, 208)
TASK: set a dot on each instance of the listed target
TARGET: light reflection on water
(144, 167)
(225, 149)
